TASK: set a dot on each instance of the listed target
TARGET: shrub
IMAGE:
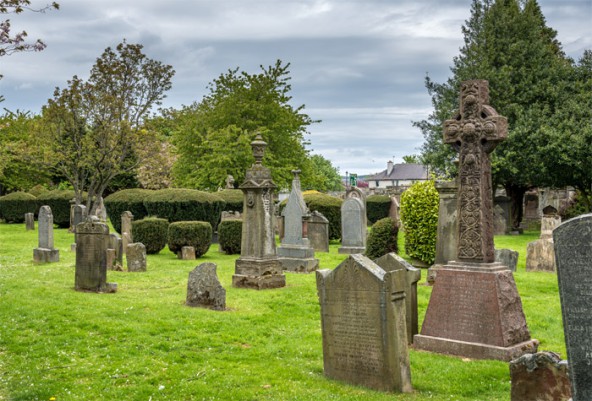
(37, 190)
(178, 204)
(233, 199)
(419, 214)
(14, 206)
(377, 207)
(59, 202)
(197, 234)
(230, 236)
(126, 200)
(330, 207)
(382, 238)
(152, 232)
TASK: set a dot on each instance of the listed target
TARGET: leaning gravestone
(45, 252)
(353, 223)
(136, 257)
(126, 229)
(92, 242)
(29, 221)
(475, 310)
(204, 288)
(318, 231)
(573, 252)
(363, 325)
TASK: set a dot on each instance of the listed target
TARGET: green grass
(143, 343)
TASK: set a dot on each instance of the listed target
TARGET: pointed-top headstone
(45, 252)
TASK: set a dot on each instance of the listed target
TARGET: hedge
(14, 206)
(126, 200)
(233, 199)
(382, 238)
(377, 207)
(330, 207)
(59, 202)
(152, 232)
(197, 234)
(230, 236)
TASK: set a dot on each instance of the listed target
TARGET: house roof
(404, 171)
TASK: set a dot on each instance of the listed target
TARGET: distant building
(398, 175)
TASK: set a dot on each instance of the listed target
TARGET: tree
(95, 127)
(213, 137)
(412, 159)
(324, 177)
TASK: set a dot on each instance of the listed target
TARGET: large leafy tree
(324, 176)
(213, 137)
(95, 126)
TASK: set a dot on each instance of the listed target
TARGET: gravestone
(318, 231)
(112, 260)
(394, 211)
(258, 266)
(446, 236)
(101, 210)
(78, 215)
(29, 221)
(507, 257)
(295, 252)
(231, 215)
(573, 252)
(475, 310)
(539, 377)
(503, 215)
(136, 257)
(204, 288)
(126, 229)
(499, 221)
(353, 223)
(540, 254)
(364, 326)
(116, 244)
(393, 262)
(92, 242)
(187, 253)
(45, 252)
(229, 182)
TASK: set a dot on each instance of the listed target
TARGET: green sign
(353, 180)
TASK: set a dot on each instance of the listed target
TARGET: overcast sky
(357, 65)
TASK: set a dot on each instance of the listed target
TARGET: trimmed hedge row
(14, 206)
(382, 238)
(197, 234)
(330, 207)
(230, 236)
(377, 207)
(152, 232)
(126, 200)
(233, 199)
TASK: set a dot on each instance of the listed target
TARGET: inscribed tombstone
(45, 252)
(353, 226)
(318, 232)
(136, 257)
(92, 241)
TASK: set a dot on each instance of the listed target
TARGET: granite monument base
(46, 255)
(298, 259)
(351, 250)
(475, 311)
(258, 274)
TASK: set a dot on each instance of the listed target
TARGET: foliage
(59, 202)
(382, 238)
(14, 206)
(377, 207)
(412, 159)
(155, 170)
(323, 177)
(230, 236)
(238, 105)
(178, 204)
(197, 234)
(152, 232)
(419, 215)
(233, 199)
(330, 207)
(574, 208)
(126, 200)
(37, 190)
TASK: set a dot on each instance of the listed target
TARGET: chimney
(389, 167)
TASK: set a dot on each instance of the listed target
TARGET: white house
(398, 175)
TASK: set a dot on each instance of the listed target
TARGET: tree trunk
(516, 194)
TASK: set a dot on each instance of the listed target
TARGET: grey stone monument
(204, 288)
(540, 254)
(364, 326)
(92, 242)
(318, 231)
(136, 257)
(507, 257)
(503, 213)
(353, 223)
(573, 252)
(475, 310)
(392, 262)
(295, 252)
(126, 229)
(29, 221)
(45, 252)
(258, 266)
(78, 215)
(116, 243)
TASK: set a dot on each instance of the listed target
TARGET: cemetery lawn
(143, 343)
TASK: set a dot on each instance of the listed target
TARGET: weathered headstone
(353, 223)
(502, 215)
(112, 260)
(116, 243)
(126, 229)
(475, 310)
(573, 252)
(92, 241)
(539, 377)
(101, 210)
(45, 252)
(204, 288)
(318, 231)
(447, 234)
(136, 257)
(229, 182)
(393, 262)
(540, 254)
(187, 253)
(295, 252)
(258, 266)
(29, 221)
(507, 257)
(78, 215)
(363, 325)
(394, 211)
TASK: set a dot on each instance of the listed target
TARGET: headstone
(92, 241)
(45, 252)
(187, 253)
(394, 211)
(231, 215)
(258, 266)
(116, 244)
(101, 210)
(475, 310)
(507, 257)
(126, 229)
(540, 254)
(353, 223)
(295, 252)
(229, 182)
(393, 262)
(318, 231)
(573, 252)
(29, 221)
(539, 377)
(447, 234)
(363, 325)
(136, 257)
(78, 215)
(204, 288)
(502, 223)
(112, 260)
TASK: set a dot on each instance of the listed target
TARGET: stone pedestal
(258, 274)
(46, 255)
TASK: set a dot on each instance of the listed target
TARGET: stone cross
(475, 132)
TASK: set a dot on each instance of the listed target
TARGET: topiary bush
(197, 234)
(179, 204)
(37, 190)
(330, 207)
(233, 199)
(152, 232)
(377, 207)
(14, 206)
(419, 214)
(126, 200)
(59, 202)
(230, 236)
(382, 238)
